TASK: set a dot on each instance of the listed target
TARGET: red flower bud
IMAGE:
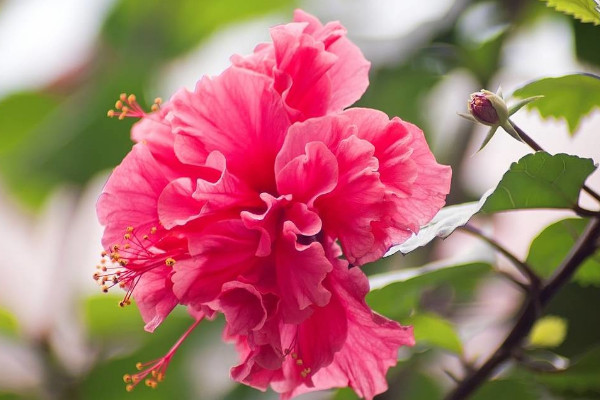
(482, 109)
(488, 108)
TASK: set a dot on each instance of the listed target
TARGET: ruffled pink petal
(300, 261)
(349, 76)
(309, 176)
(155, 131)
(243, 308)
(176, 204)
(184, 200)
(301, 270)
(371, 343)
(130, 195)
(223, 252)
(353, 201)
(408, 169)
(154, 296)
(359, 194)
(301, 76)
(237, 113)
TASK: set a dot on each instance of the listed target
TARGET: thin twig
(536, 147)
(583, 248)
(584, 212)
(534, 279)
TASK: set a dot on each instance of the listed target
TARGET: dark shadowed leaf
(579, 379)
(395, 294)
(553, 244)
(514, 389)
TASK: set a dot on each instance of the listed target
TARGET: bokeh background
(63, 63)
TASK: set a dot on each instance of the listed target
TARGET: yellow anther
(122, 304)
(129, 229)
(135, 379)
(110, 113)
(153, 372)
(105, 288)
(139, 366)
(153, 230)
(127, 236)
(160, 377)
(103, 261)
(154, 107)
(145, 237)
(118, 104)
(115, 247)
(170, 262)
(158, 101)
(127, 246)
(123, 113)
(127, 378)
(294, 356)
(123, 97)
(131, 98)
(299, 362)
(103, 254)
(129, 387)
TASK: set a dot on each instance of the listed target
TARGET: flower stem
(534, 279)
(530, 311)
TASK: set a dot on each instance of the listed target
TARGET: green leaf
(514, 389)
(446, 221)
(432, 330)
(541, 180)
(583, 10)
(549, 331)
(552, 245)
(105, 318)
(397, 293)
(8, 323)
(570, 97)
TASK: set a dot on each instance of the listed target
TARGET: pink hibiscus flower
(315, 68)
(241, 197)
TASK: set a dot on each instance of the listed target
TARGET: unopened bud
(488, 108)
